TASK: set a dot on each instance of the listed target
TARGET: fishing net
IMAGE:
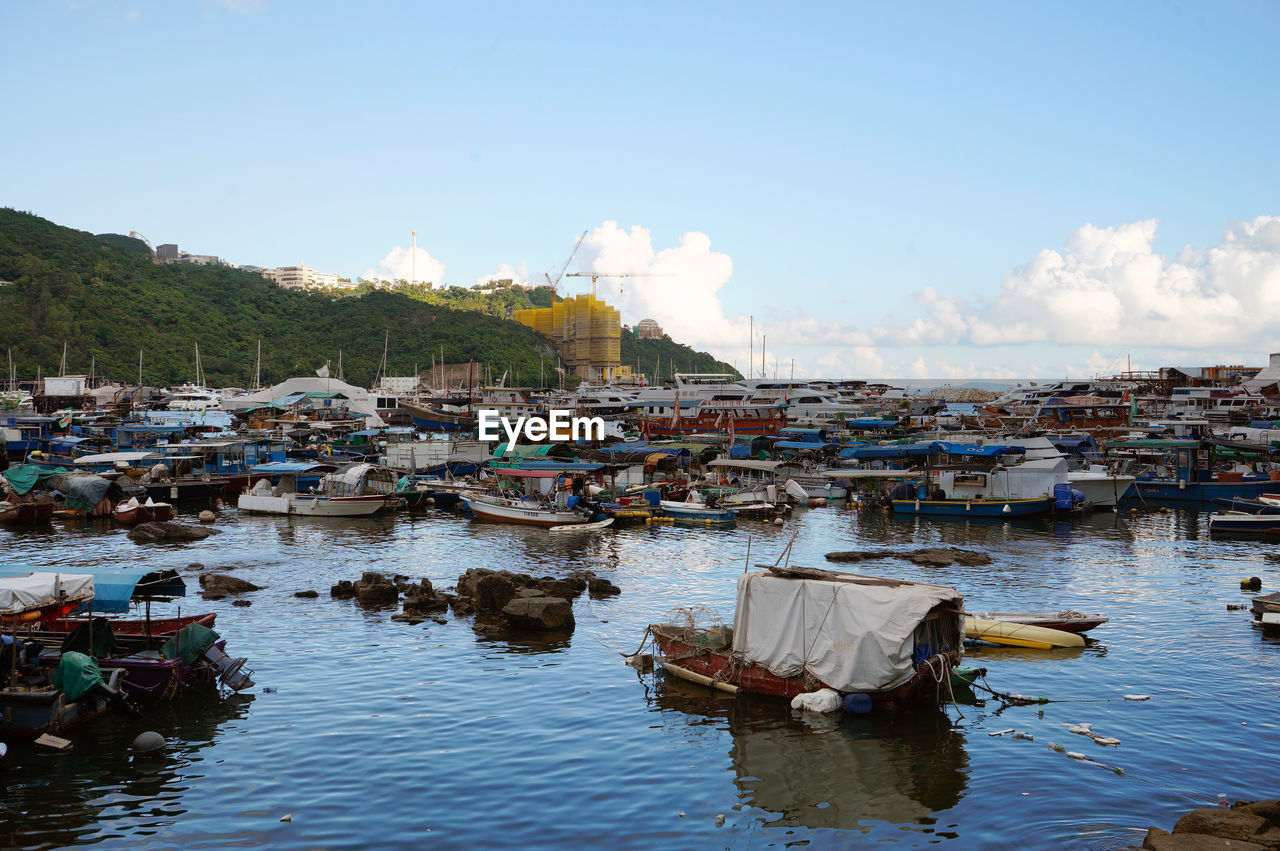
(699, 626)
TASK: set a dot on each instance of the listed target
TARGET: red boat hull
(131, 626)
(753, 678)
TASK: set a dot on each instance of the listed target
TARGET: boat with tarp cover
(883, 644)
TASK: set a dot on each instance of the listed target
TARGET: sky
(876, 189)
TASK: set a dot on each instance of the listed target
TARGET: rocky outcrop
(539, 614)
(1248, 826)
(600, 588)
(375, 589)
(167, 531)
(927, 557)
(222, 584)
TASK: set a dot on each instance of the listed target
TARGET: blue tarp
(981, 451)
(808, 435)
(870, 423)
(799, 445)
(115, 589)
(277, 467)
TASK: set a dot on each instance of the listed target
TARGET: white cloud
(517, 274)
(1108, 287)
(399, 264)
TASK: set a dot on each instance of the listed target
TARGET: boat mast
(751, 349)
(139, 367)
(257, 368)
(62, 370)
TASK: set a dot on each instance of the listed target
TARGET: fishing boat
(698, 511)
(17, 512)
(1068, 621)
(524, 510)
(34, 698)
(882, 644)
(357, 490)
(131, 512)
(1001, 508)
(1240, 523)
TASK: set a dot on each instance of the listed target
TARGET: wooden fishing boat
(17, 512)
(131, 512)
(159, 627)
(1063, 621)
(888, 643)
(525, 511)
(1267, 604)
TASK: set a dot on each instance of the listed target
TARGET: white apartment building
(301, 277)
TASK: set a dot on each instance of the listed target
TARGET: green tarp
(77, 675)
(189, 644)
(26, 476)
(93, 638)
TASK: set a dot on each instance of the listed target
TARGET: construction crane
(554, 283)
(136, 235)
(596, 276)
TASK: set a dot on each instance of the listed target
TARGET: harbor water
(368, 731)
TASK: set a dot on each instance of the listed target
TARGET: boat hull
(1201, 492)
(307, 505)
(513, 511)
(716, 665)
(999, 508)
(691, 511)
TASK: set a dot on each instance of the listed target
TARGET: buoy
(206, 516)
(1137, 697)
(1253, 583)
(431, 500)
(777, 521)
(148, 743)
(287, 817)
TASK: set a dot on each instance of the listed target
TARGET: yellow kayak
(1020, 635)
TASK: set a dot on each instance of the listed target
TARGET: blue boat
(1238, 523)
(1194, 479)
(1002, 508)
(697, 512)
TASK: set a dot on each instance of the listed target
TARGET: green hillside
(105, 299)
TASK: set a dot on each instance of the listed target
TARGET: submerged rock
(344, 590)
(167, 531)
(927, 557)
(374, 589)
(307, 595)
(602, 588)
(221, 583)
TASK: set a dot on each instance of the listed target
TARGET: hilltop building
(302, 277)
(589, 333)
(168, 253)
(648, 329)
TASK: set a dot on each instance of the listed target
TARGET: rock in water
(167, 531)
(540, 614)
(602, 588)
(493, 592)
(307, 595)
(220, 583)
(207, 516)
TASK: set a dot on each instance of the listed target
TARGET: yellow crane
(596, 276)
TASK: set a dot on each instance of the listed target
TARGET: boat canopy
(521, 473)
(881, 453)
(116, 457)
(26, 591)
(801, 446)
(981, 451)
(806, 435)
(854, 633)
(113, 589)
(868, 423)
(272, 468)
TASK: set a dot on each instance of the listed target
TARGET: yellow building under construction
(589, 333)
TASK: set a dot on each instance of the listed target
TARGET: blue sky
(836, 163)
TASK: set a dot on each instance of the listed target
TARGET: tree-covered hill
(106, 300)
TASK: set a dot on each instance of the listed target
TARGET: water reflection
(831, 771)
(57, 799)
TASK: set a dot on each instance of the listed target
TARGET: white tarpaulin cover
(20, 594)
(851, 636)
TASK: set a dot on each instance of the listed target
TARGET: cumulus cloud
(401, 264)
(516, 274)
(1108, 286)
(680, 287)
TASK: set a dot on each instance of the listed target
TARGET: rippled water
(378, 732)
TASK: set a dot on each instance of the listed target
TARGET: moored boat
(131, 512)
(882, 644)
(1068, 621)
(1003, 508)
(527, 511)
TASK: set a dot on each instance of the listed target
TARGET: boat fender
(857, 703)
(822, 700)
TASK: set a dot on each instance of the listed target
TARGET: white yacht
(189, 397)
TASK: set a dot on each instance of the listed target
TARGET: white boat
(526, 511)
(192, 398)
(583, 527)
(312, 505)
